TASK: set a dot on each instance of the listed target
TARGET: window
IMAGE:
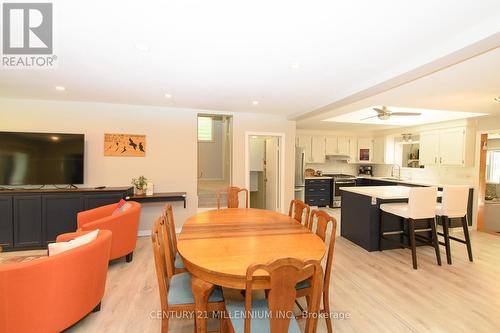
(493, 166)
(205, 129)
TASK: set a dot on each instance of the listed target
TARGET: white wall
(171, 139)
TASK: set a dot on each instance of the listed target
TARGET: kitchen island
(361, 214)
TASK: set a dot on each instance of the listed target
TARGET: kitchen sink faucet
(399, 171)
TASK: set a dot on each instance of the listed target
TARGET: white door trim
(281, 138)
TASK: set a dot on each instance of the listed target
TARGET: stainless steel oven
(340, 180)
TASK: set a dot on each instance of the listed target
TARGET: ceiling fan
(384, 113)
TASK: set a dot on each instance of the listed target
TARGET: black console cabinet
(30, 219)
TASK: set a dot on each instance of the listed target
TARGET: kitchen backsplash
(335, 166)
(448, 175)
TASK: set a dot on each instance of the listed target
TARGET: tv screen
(41, 158)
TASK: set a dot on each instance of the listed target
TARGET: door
(318, 149)
(331, 145)
(272, 174)
(429, 148)
(343, 146)
(451, 146)
(59, 213)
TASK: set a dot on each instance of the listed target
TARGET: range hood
(338, 157)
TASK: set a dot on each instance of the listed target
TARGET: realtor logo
(27, 29)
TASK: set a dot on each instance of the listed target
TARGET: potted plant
(140, 185)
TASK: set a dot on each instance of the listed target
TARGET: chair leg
(129, 257)
(411, 224)
(326, 307)
(467, 237)
(97, 308)
(435, 241)
(446, 234)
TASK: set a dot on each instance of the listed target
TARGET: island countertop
(382, 192)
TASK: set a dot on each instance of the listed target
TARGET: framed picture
(132, 145)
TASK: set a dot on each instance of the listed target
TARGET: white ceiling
(224, 54)
(427, 116)
(470, 86)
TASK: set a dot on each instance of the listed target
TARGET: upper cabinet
(343, 144)
(447, 147)
(314, 148)
(383, 149)
(332, 147)
(318, 149)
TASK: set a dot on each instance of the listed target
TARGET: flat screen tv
(41, 158)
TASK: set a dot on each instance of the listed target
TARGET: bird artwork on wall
(132, 145)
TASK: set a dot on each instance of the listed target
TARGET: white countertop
(319, 177)
(382, 192)
(412, 182)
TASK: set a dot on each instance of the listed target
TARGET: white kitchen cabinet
(452, 146)
(343, 146)
(383, 149)
(353, 149)
(332, 147)
(305, 141)
(445, 147)
(318, 149)
(429, 148)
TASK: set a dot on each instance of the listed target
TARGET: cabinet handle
(435, 160)
(440, 160)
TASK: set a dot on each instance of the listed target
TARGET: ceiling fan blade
(368, 118)
(405, 114)
(379, 110)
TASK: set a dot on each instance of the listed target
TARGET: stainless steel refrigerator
(300, 164)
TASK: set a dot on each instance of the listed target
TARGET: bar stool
(454, 205)
(421, 206)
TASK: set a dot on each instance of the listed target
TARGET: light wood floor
(378, 291)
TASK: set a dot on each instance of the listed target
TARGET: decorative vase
(139, 191)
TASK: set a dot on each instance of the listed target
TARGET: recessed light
(142, 47)
(255, 102)
(295, 66)
(168, 96)
(497, 99)
(60, 88)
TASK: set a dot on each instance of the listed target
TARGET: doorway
(264, 170)
(214, 157)
(489, 183)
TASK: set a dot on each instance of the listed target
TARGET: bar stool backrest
(455, 200)
(422, 202)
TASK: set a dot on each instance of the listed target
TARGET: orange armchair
(51, 294)
(124, 227)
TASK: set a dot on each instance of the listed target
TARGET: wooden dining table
(217, 246)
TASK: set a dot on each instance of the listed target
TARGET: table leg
(201, 291)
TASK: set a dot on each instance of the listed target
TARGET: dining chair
(176, 296)
(168, 225)
(454, 205)
(323, 222)
(296, 211)
(274, 313)
(232, 194)
(421, 206)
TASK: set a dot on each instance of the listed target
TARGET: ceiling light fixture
(255, 102)
(54, 138)
(60, 88)
(168, 96)
(295, 66)
(497, 99)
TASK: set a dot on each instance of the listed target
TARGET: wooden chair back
(296, 211)
(323, 221)
(284, 274)
(169, 239)
(232, 193)
(160, 263)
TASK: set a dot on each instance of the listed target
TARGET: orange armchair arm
(90, 215)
